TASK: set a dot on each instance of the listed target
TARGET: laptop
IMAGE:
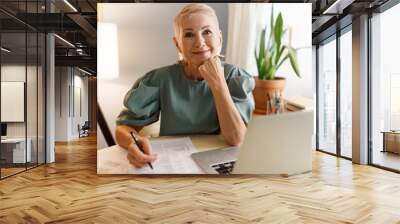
(278, 144)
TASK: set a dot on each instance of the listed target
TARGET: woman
(198, 95)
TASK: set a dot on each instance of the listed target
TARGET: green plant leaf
(269, 52)
(263, 68)
(270, 69)
(272, 53)
(278, 29)
(261, 55)
(272, 73)
(293, 60)
(272, 19)
(279, 54)
(282, 61)
(261, 74)
(267, 75)
(279, 61)
(270, 39)
(257, 61)
(262, 44)
(281, 50)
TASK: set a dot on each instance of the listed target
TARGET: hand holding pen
(139, 152)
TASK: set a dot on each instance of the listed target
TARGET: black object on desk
(3, 129)
(140, 148)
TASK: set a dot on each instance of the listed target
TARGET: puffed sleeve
(241, 85)
(142, 103)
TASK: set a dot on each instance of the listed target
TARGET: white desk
(288, 164)
(278, 161)
(18, 149)
(112, 160)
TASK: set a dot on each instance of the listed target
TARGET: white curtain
(244, 25)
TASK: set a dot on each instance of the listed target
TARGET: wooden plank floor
(10, 171)
(70, 191)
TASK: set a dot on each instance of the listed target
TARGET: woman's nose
(199, 41)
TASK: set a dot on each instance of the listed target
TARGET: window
(22, 65)
(327, 97)
(385, 88)
(346, 94)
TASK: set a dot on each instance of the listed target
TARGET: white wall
(61, 103)
(68, 82)
(17, 73)
(144, 43)
(14, 73)
(34, 125)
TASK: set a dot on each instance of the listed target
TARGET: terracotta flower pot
(265, 89)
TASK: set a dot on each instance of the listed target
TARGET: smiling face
(199, 38)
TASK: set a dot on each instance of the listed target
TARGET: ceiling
(76, 23)
(330, 16)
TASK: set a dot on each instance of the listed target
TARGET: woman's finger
(202, 68)
(141, 164)
(146, 146)
(134, 162)
(139, 156)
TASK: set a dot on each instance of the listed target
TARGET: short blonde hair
(189, 10)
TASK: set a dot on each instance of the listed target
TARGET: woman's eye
(188, 34)
(207, 32)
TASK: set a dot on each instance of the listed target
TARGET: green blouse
(186, 106)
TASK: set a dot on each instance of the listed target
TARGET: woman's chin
(202, 59)
(197, 61)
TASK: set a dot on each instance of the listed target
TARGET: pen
(140, 148)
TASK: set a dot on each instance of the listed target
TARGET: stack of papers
(173, 157)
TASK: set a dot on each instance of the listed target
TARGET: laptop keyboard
(224, 168)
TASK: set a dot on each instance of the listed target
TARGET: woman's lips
(201, 52)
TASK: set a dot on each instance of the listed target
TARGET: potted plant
(269, 58)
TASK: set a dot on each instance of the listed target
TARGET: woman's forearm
(232, 126)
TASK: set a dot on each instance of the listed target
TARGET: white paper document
(173, 157)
